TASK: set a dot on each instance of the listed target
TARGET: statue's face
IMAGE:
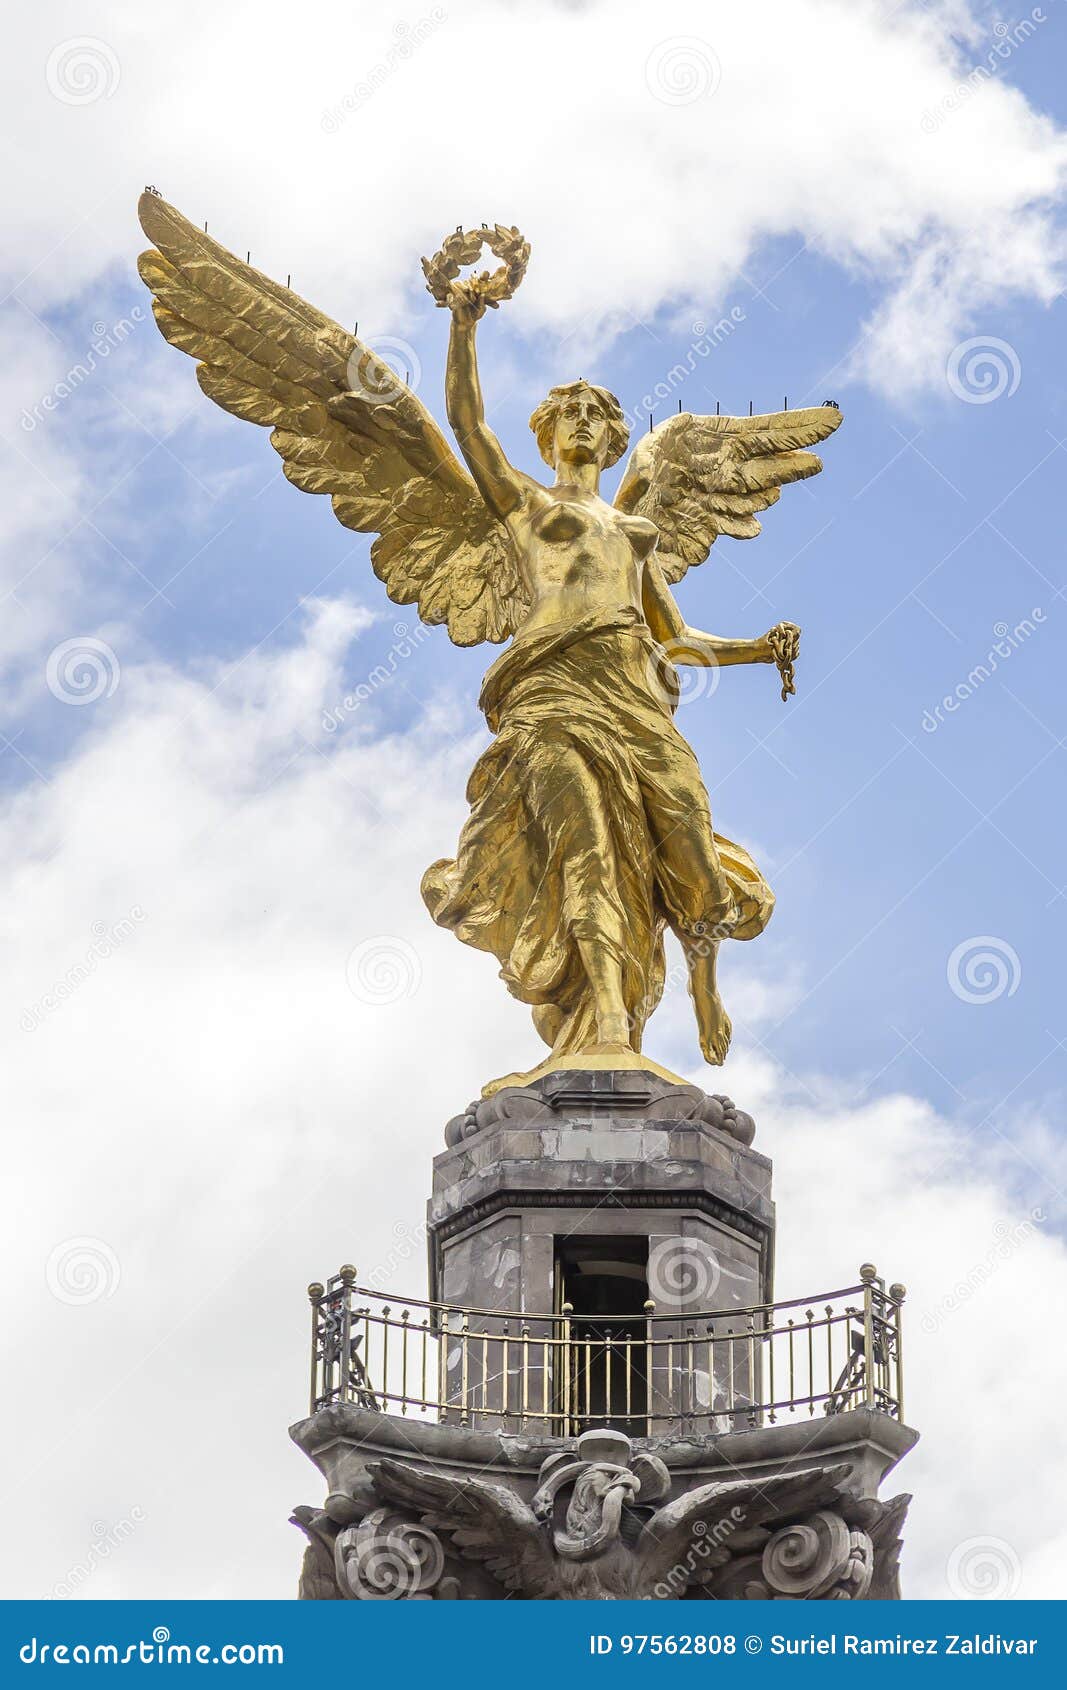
(581, 429)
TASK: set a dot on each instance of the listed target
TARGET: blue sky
(208, 1106)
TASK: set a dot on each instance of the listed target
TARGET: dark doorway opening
(601, 1293)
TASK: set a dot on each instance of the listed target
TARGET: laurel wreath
(465, 247)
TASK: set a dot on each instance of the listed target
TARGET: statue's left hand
(783, 641)
(783, 644)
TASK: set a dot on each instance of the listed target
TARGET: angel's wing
(341, 421)
(699, 477)
(486, 1522)
(724, 1516)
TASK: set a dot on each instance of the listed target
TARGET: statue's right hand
(467, 303)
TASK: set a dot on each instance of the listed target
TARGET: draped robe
(589, 819)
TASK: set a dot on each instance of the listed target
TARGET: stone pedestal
(621, 1155)
(612, 1405)
(602, 1188)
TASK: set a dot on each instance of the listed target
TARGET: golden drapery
(589, 819)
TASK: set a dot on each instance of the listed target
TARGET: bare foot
(716, 1031)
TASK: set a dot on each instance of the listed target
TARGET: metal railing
(723, 1370)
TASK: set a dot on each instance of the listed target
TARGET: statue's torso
(578, 555)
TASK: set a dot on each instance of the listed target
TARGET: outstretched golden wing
(699, 477)
(343, 423)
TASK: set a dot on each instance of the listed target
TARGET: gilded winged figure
(590, 829)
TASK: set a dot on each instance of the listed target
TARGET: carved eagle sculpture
(655, 1552)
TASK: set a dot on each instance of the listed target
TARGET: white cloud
(645, 152)
(213, 1106)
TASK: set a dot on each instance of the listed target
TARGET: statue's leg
(579, 879)
(691, 881)
(604, 973)
(713, 1024)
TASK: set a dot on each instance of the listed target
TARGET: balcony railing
(722, 1370)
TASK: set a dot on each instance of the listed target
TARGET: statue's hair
(543, 421)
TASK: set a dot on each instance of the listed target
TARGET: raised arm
(690, 646)
(502, 487)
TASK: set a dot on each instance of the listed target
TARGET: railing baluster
(829, 1312)
(898, 1293)
(525, 1336)
(385, 1325)
(315, 1295)
(565, 1359)
(544, 1377)
(868, 1273)
(348, 1280)
(769, 1332)
(404, 1318)
(464, 1377)
(810, 1316)
(442, 1359)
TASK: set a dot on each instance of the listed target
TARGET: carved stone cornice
(602, 1525)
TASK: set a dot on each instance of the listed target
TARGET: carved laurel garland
(465, 247)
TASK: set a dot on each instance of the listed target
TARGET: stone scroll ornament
(387, 1557)
(583, 701)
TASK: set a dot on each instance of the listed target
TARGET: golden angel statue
(590, 829)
